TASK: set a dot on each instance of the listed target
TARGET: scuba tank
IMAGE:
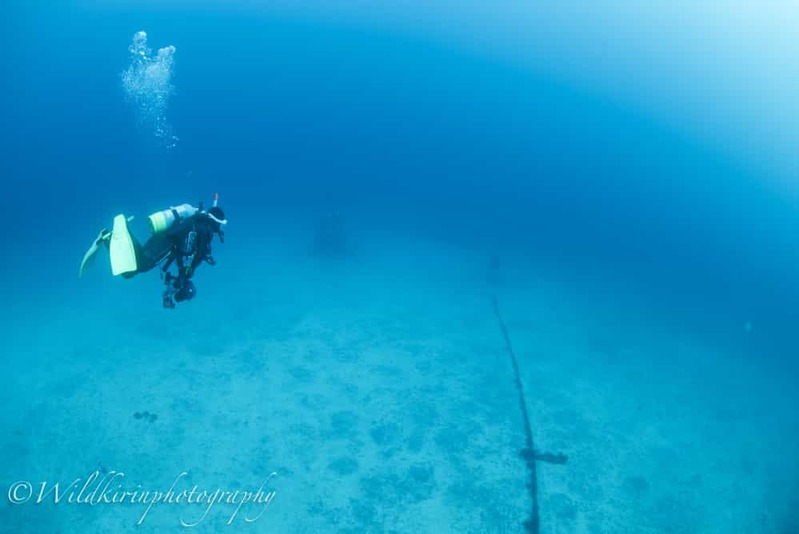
(165, 219)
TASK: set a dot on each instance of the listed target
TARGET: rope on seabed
(528, 454)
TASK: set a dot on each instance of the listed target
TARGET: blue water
(631, 179)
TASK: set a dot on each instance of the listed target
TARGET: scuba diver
(181, 236)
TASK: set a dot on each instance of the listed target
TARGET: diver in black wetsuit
(181, 236)
(188, 248)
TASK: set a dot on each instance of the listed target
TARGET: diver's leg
(153, 252)
(102, 239)
(128, 256)
(122, 249)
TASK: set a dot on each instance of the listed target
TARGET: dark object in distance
(331, 237)
(494, 274)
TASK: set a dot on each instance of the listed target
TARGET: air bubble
(147, 83)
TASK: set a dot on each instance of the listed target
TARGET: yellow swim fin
(123, 252)
(103, 237)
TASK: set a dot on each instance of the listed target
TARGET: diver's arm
(181, 269)
(202, 253)
(170, 258)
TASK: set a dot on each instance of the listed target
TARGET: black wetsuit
(186, 244)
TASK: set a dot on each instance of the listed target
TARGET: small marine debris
(147, 416)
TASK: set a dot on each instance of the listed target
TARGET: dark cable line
(528, 454)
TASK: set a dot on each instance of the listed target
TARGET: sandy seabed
(375, 394)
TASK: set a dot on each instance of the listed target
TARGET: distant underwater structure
(331, 237)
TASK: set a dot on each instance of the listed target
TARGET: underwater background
(605, 195)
